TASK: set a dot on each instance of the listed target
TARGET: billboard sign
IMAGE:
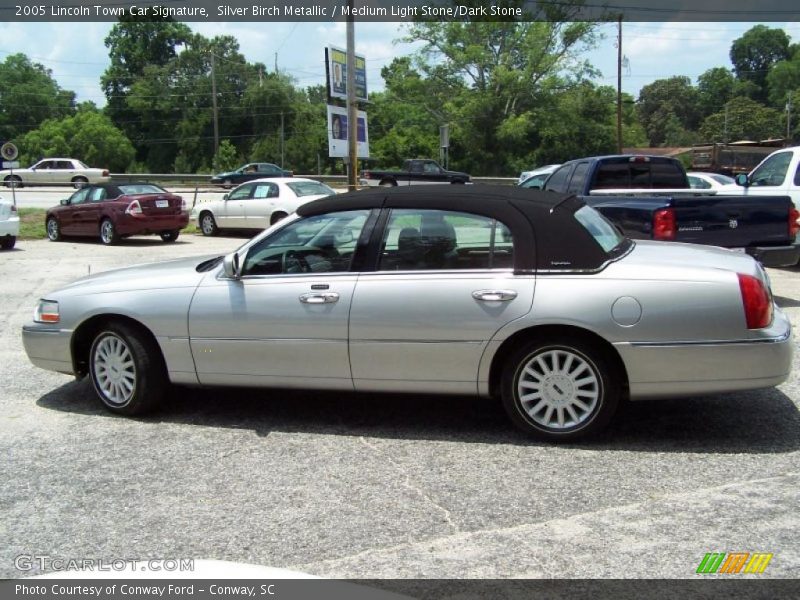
(337, 133)
(337, 74)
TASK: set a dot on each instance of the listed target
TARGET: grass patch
(32, 226)
(31, 223)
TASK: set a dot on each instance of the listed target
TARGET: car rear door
(259, 207)
(444, 285)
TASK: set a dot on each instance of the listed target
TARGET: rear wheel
(560, 390)
(13, 181)
(388, 183)
(53, 230)
(79, 182)
(127, 370)
(208, 225)
(170, 236)
(108, 233)
(8, 242)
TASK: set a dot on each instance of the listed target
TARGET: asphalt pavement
(376, 486)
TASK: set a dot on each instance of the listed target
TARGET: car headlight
(46, 312)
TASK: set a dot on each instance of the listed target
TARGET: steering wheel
(293, 261)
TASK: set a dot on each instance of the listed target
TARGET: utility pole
(282, 138)
(619, 84)
(352, 107)
(214, 105)
(788, 120)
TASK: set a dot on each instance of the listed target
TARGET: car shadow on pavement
(747, 422)
(145, 240)
(786, 302)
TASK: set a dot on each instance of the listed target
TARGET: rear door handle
(494, 295)
(319, 298)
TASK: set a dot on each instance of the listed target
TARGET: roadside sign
(12, 164)
(8, 151)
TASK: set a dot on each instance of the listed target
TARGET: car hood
(679, 261)
(170, 274)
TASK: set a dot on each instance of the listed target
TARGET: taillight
(105, 173)
(134, 208)
(664, 225)
(794, 222)
(756, 300)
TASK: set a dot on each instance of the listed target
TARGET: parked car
(779, 173)
(709, 181)
(9, 224)
(55, 171)
(415, 171)
(531, 297)
(257, 204)
(118, 211)
(250, 172)
(536, 177)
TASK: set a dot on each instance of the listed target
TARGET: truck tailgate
(732, 221)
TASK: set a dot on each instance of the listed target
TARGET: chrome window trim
(602, 267)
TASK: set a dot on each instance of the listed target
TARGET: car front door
(284, 321)
(42, 173)
(232, 213)
(444, 285)
(71, 217)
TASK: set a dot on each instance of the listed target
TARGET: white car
(257, 204)
(709, 181)
(9, 224)
(535, 178)
(55, 171)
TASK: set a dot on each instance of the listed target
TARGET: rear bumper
(9, 227)
(659, 370)
(776, 256)
(143, 224)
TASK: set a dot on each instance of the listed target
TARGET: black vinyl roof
(545, 233)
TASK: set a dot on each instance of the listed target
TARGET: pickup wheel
(388, 183)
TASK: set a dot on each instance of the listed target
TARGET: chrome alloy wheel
(207, 225)
(107, 232)
(558, 388)
(114, 370)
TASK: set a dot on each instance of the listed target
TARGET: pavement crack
(447, 515)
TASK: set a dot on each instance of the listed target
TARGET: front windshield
(603, 232)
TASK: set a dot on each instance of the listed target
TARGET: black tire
(388, 183)
(13, 181)
(8, 242)
(170, 236)
(79, 182)
(277, 216)
(208, 225)
(108, 233)
(228, 184)
(578, 410)
(53, 229)
(127, 370)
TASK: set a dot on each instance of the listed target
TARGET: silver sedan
(527, 296)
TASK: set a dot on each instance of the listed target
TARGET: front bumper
(670, 369)
(48, 347)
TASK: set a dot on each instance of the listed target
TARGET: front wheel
(8, 242)
(277, 216)
(170, 236)
(53, 230)
(127, 370)
(208, 225)
(108, 233)
(560, 390)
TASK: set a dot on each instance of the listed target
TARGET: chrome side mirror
(230, 266)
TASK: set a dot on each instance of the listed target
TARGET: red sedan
(113, 211)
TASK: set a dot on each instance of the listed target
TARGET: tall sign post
(9, 153)
(352, 107)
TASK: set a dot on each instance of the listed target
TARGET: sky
(77, 56)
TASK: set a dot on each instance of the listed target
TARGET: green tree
(665, 103)
(88, 135)
(29, 96)
(783, 79)
(754, 54)
(226, 158)
(744, 119)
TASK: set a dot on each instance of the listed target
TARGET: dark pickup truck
(649, 197)
(415, 171)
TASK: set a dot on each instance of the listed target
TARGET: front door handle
(319, 298)
(494, 295)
